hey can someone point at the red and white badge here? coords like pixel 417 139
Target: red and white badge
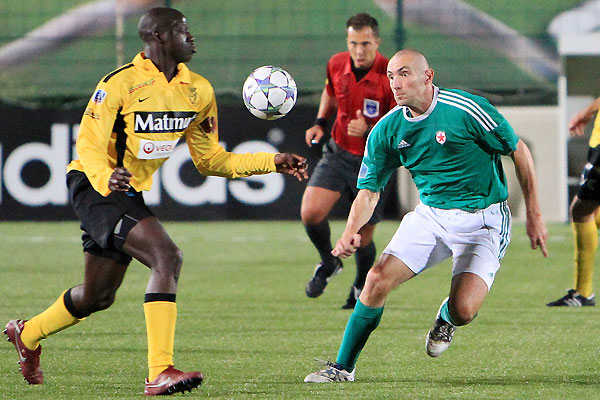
pixel 440 137
pixel 153 149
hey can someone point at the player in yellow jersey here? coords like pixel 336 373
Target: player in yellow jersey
pixel 130 127
pixel 584 214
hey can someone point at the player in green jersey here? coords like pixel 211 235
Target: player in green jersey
pixel 451 142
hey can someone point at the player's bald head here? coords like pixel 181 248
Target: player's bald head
pixel 159 19
pixel 413 58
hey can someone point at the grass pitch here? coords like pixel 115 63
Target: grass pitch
pixel 245 321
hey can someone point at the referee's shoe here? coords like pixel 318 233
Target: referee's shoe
pixel 321 277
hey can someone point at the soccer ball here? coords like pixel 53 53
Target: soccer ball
pixel 269 92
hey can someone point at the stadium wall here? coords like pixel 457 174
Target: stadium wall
pixel 36 146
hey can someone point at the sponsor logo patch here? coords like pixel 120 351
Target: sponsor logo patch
pixel 153 149
pixel 371 108
pixel 163 121
pixel 364 170
pixel 99 96
pixel 90 113
pixel 141 85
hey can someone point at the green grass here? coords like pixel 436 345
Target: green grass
pixel 245 322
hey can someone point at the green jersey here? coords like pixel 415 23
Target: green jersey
pixel 452 151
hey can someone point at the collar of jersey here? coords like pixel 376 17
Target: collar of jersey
pixel 183 73
pixel 348 66
pixel 421 117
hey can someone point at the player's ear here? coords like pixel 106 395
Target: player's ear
pixel 159 36
pixel 428 75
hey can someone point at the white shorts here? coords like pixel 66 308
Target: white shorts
pixel 476 240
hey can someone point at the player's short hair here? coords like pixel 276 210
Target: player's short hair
pixel 363 20
pixel 160 19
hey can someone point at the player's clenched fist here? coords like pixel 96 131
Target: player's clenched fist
pixel 346 245
pixel 119 180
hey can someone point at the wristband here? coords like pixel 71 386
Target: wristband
pixel 322 122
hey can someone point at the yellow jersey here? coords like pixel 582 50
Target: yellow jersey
pixel 135 119
pixel 595 138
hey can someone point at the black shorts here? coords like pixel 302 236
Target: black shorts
pixel 590 177
pixel 100 215
pixel 338 170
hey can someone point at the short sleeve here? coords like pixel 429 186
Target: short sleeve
pixel 380 160
pixel 491 128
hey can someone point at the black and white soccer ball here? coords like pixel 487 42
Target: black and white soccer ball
pixel 269 92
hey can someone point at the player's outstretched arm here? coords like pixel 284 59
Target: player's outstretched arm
pixel 582 118
pixel 291 164
pixel 362 209
pixel 536 227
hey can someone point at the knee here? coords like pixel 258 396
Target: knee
pixel 311 215
pixel 462 313
pixel 377 283
pixel 169 260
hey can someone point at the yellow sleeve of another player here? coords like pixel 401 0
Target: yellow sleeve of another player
pixel 95 133
pixel 595 138
pixel 210 158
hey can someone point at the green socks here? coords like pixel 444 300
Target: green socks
pixel 445 314
pixel 361 323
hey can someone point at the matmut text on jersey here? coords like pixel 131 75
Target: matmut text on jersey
pixel 135 118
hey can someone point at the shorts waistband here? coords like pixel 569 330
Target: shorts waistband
pixel 478 211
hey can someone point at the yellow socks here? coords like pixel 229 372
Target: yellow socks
pixel 585 235
pixel 160 327
pixel 54 319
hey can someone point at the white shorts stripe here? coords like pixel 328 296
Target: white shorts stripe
pixel 505 232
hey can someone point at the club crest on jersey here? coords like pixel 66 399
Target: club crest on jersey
pixel 371 108
pixel 440 137
pixel 193 95
pixel 98 96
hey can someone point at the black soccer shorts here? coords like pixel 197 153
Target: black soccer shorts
pixel 100 215
pixel 338 170
pixel 589 188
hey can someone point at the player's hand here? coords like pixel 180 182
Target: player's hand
pixel 346 245
pixel 537 232
pixel 578 123
pixel 292 164
pixel 358 126
pixel 314 135
pixel 119 180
